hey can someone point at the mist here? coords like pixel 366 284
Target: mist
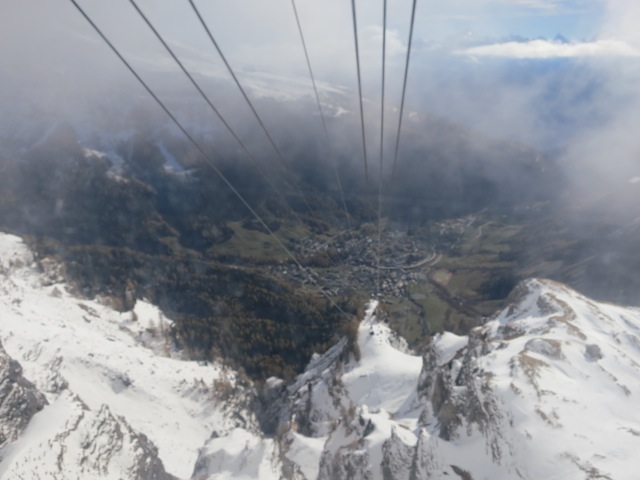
pixel 477 73
pixel 53 61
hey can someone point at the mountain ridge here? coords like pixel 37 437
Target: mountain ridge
pixel 502 403
pixel 519 396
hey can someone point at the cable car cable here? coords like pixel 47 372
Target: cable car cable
pixel 355 37
pixel 208 159
pixel 404 87
pixel 255 112
pixel 206 98
pixel 324 124
pixel 384 52
pixel 215 110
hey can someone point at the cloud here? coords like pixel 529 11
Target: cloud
pixel 371 41
pixel 621 20
pixel 545 49
pixel 54 59
pixel 553 6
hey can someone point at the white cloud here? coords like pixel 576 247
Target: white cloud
pixel 371 41
pixel 549 49
pixel 621 20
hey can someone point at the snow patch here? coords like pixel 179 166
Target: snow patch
pixel 393 372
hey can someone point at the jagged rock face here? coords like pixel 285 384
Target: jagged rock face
pixel 520 397
pixel 531 385
pixel 20 400
pixel 120 403
pixel 397 458
pixel 318 397
pixel 88 444
pixel 107 437
pixel 83 444
pixel 345 463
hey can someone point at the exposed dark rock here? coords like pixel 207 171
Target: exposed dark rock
pixel 397 458
pixel 20 400
pixel 593 353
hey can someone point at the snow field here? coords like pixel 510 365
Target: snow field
pixel 554 376
pixel 98 353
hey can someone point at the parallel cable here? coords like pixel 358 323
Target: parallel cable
pixel 255 112
pixel 306 55
pixel 384 56
pixel 355 37
pixel 206 98
pixel 404 86
pixel 324 124
pixel 215 110
pixel 208 159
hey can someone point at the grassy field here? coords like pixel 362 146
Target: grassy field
pixel 468 282
pixel 256 245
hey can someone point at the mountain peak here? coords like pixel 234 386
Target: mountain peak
pixel 560 39
pixel 509 399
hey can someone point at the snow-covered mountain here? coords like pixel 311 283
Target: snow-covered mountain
pixel 547 388
pixel 101 395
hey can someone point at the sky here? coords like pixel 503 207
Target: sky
pixel 48 43
pixel 573 19
pixel 466 65
pixel 259 32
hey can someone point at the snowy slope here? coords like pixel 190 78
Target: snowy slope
pixel 96 365
pixel 548 388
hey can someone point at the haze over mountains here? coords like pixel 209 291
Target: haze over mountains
pixel 492 212
pixel 574 217
pixel 152 326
